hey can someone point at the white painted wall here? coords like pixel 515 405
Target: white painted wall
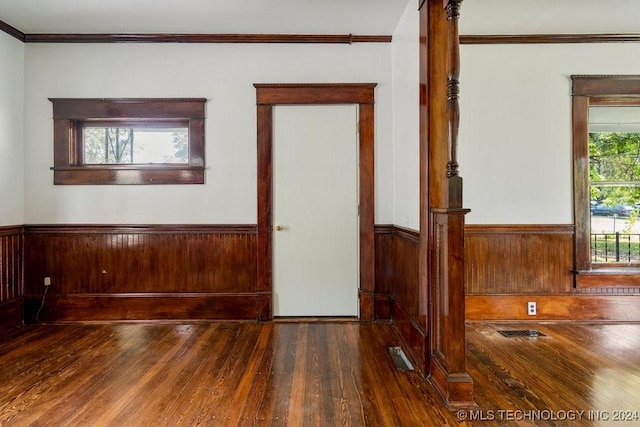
pixel 222 73
pixel 406 129
pixel 515 132
pixel 11 130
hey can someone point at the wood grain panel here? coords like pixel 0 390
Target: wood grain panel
pixel 10 263
pixel 149 259
pixel 10 277
pixel 125 259
pixel 397 251
pixel 406 291
pixel 619 308
pixel 397 266
pixel 147 306
pixel 518 259
pixel 384 240
pixel 384 269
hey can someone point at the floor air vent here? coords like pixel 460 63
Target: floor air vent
pixel 400 359
pixel 532 333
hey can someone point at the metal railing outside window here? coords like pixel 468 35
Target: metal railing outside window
pixel 615 247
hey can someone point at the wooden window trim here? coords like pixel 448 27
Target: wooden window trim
pixel 595 91
pixel 69 114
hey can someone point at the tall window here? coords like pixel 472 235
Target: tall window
pixel 128 141
pixel 606 146
pixel 614 179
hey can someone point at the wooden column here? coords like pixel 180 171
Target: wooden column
pixel 441 265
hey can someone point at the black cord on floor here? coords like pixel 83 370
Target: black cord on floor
pixel 46 288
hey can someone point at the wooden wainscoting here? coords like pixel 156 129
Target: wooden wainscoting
pixel 384 273
pixel 10 277
pixel 397 290
pixel 509 265
pixel 123 272
pixel 518 259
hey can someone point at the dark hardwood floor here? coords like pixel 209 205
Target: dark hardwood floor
pixel 316 374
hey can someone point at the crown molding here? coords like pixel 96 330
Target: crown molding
pixel 548 38
pixel 207 38
pixel 12 31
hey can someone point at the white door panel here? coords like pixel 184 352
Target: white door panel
pixel 315 253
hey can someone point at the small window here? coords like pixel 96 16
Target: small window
pixel 128 141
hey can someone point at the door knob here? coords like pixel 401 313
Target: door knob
pixel 279 228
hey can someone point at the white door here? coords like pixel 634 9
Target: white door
pixel 315 211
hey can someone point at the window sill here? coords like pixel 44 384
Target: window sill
pixel 128 175
pixel 609 276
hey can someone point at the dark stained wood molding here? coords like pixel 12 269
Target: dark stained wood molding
pixel 113 108
pixel 128 176
pixel 606 86
pixel 314 93
pixel 567 307
pixel 12 31
pixel 441 269
pixel 146 306
pixel 608 277
pixel 206 38
pixel 10 230
pixel 474 39
pixel 590 90
pixel 384 228
pixel 71 114
pixel 426 48
pixel 406 233
pixel 142 228
pixel 269 95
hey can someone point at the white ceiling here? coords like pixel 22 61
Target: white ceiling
pixel 361 17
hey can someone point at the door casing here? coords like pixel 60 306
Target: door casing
pixel 269 95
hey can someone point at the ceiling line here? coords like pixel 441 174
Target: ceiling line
pixel 548 38
pixel 192 38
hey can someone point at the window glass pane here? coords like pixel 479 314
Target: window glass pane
pixel 135 145
pixel 614 175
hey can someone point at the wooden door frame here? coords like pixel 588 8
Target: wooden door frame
pixel 270 95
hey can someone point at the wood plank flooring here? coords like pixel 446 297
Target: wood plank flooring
pixel 309 374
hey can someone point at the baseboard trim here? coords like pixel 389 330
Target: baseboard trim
pixel 382 307
pixel 127 307
pixel 11 315
pixel 586 307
